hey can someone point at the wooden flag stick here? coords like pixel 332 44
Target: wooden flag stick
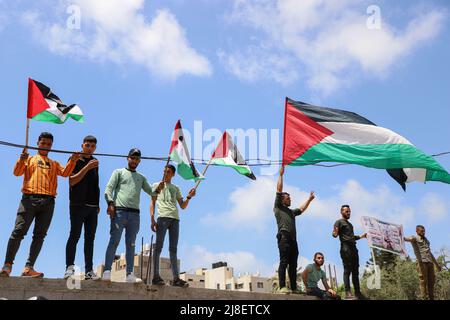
pixel 203 174
pixel 164 170
pixel 27 134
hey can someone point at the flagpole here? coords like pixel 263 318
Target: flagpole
pixel 203 174
pixel 164 170
pixel 168 158
pixel 27 134
pixel 374 261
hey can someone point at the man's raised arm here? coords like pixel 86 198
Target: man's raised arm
pixel 305 206
pixel 280 180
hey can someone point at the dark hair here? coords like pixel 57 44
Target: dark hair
pixel 420 226
pixel 172 167
pixel 318 253
pixel 345 206
pixel 285 194
pixel 45 135
pixel 90 139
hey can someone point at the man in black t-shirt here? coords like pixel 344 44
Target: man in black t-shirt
pixel 84 208
pixel 287 235
pixel 349 253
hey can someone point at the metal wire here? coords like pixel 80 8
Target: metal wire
pixel 250 162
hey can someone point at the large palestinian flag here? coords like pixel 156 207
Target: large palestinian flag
pixel 179 154
pixel 228 155
pixel 316 134
pixel 44 105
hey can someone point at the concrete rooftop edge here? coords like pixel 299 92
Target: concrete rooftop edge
pixel 19 288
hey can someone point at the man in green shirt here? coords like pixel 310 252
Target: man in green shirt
pixel 123 196
pixel 287 235
pixel 313 274
pixel 425 262
pixel 168 220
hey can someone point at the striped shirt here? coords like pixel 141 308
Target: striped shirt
pixel 41 174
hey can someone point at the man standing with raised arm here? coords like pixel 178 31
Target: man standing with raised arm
pixel 287 235
pixel 349 253
pixel 168 220
pixel 425 262
pixel 38 202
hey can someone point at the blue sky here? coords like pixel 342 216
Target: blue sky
pixel 136 67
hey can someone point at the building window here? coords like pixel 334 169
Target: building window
pixel 191 280
pixel 240 286
pixel 250 286
pixel 260 285
pixel 228 286
pixel 201 280
pixel 218 286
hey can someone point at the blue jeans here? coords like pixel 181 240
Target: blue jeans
pixel 173 225
pixel 129 221
pixel 321 294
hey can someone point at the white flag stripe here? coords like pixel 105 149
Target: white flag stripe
pixel 361 134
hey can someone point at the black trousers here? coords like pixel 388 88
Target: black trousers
pixel 82 216
pixel 288 248
pixel 31 208
pixel 350 260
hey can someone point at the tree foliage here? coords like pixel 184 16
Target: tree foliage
pixel 400 278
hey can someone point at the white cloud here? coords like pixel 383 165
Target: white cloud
pixel 251 206
pixel 242 261
pixel 5 16
pixel 3 21
pixel 193 257
pixel 434 208
pixel 329 41
pixel 118 31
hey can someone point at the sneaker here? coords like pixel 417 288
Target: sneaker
pixel 91 275
pixel 180 283
pixel 106 275
pixel 158 281
pixel 70 272
pixel 6 270
pixel 360 296
pixel 31 273
pixel 297 291
pixel 283 290
pixel 131 278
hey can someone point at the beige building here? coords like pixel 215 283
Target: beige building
pixel 118 269
pixel 195 279
pixel 221 277
pixel 253 283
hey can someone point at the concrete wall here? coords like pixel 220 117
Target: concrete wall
pixel 55 289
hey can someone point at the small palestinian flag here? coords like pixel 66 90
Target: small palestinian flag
pixel 179 154
pixel 316 134
pixel 44 105
pixel 228 155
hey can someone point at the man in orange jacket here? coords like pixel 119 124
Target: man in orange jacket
pixel 38 202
